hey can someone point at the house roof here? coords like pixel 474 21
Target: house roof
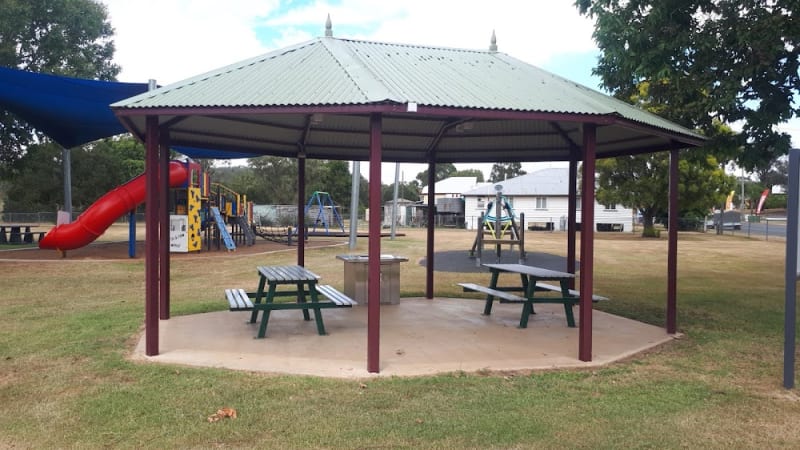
pixel 544 182
pixel 453 185
pixel 444 104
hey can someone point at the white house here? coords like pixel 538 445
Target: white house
pixel 543 197
pixel 453 187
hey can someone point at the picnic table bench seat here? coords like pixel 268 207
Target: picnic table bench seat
pixel 241 300
pixel 335 296
pixel 504 296
pixel 549 287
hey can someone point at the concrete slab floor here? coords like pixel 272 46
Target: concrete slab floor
pixel 418 337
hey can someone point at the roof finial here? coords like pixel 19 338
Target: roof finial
pixel 493 45
pixel 328 27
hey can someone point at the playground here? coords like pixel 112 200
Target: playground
pixel 114 245
pixel 72 373
pixel 71 330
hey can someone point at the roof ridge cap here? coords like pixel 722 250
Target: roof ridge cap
pixel 352 64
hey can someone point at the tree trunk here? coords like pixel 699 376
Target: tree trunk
pixel 649 228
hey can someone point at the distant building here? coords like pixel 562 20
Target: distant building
pixel 543 197
pixel 404 213
pixel 453 187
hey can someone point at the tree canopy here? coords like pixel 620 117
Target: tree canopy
pixel 504 171
pixel 442 171
pixel 97 168
pixel 62 37
pixel 641 182
pixel 477 173
pixel 726 60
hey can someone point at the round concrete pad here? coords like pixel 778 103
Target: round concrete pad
pixel 459 261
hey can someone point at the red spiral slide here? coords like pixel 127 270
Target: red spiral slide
pixel 101 214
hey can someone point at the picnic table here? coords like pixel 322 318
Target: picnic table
pixel 304 286
pixel 16 235
pixel 530 282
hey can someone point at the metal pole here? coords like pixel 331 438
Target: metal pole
pixel 67 165
pixel 672 245
pixel 741 200
pixel 790 274
pixel 587 243
pixel 394 198
pixel 151 237
pixel 374 251
pixel 356 185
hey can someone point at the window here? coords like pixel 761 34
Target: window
pixel 611 207
pixel 481 203
pixel 541 202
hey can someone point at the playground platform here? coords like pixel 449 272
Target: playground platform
pixel 418 337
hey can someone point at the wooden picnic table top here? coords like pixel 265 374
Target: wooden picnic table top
pixel 531 271
pixel 287 274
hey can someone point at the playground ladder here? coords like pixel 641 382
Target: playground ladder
pixel 249 236
pixel 223 229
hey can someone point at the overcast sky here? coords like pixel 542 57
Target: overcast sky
pixel 171 40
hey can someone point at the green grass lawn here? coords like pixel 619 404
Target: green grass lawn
pixel 67 327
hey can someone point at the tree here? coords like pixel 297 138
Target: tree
pixel 97 168
pixel 405 191
pixel 504 171
pixel 273 180
pixel 63 37
pixel 706 60
pixel 641 182
pixel 332 177
pixel 477 173
pixel 442 171
pixel 777 174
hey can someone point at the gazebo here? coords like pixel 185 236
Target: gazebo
pixel 343 99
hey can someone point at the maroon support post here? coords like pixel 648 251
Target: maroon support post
pixel 301 212
pixel 587 243
pixel 151 238
pixel 431 217
pixel 672 246
pixel 163 217
pixel 374 250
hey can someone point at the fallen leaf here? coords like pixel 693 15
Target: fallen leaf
pixel 222 413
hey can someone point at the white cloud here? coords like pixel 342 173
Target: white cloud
pixel 533 31
pixel 170 40
pixel 177 39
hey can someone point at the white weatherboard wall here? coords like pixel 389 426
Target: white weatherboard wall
pixel 548 184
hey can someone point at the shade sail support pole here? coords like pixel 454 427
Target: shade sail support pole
pixel 66 162
pixel 374 252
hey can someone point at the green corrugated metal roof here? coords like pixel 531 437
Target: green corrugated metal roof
pixel 330 71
